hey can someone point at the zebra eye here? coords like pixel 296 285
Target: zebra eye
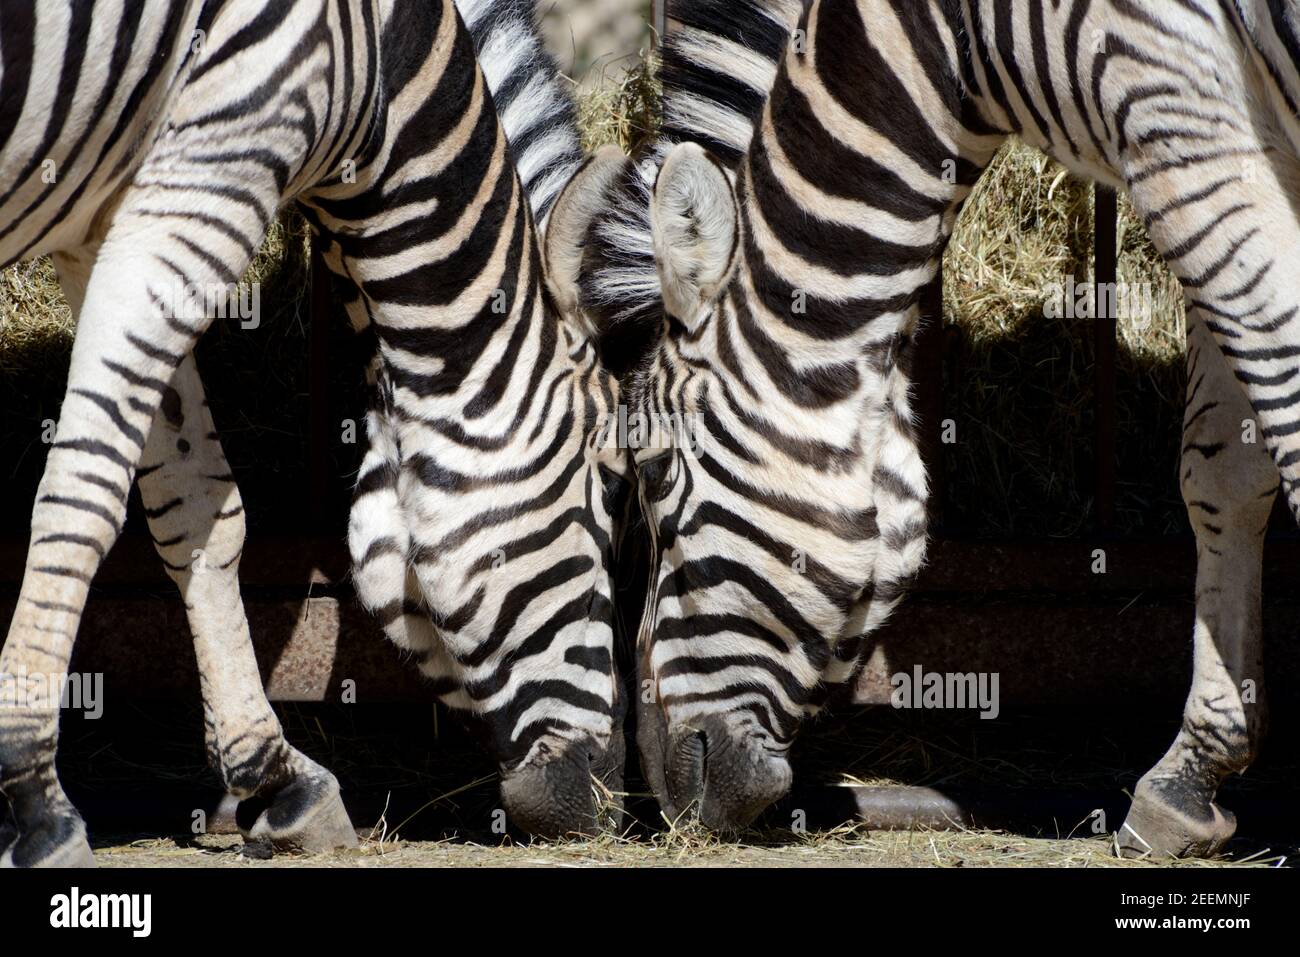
pixel 652 473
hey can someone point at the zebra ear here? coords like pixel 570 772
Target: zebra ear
pixel 695 225
pixel 566 230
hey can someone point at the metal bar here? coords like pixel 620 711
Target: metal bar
pixel 1029 613
pixel 1056 812
pixel 1105 217
pixel 318 425
pixel 659 15
pixel 927 371
pixel 1048 651
pixel 898 807
pixel 955 567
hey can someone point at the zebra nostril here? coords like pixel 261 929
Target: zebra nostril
pixel 723 774
pixel 553 796
pixel 685 777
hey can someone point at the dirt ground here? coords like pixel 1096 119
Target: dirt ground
pixel 845 849
pixel 138 776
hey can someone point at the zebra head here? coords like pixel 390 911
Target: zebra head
pixel 757 495
pixel 483 528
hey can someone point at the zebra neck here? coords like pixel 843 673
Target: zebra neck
pixel 434 234
pixel 470 335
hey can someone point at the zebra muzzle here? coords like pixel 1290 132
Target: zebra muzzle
pixel 723 774
pixel 566 794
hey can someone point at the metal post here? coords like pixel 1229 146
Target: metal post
pixel 318 425
pixel 1105 219
pixel 927 382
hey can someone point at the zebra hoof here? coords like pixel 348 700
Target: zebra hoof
pixel 305 815
pixel 222 819
pixel 59 841
pixel 1167 820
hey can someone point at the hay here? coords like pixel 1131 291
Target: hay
pixel 257 382
pixel 622 110
pixel 1020 384
pixel 1028 224
pixel 847 848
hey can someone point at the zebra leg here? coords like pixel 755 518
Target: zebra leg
pixel 1229 484
pixel 74 269
pixel 1225 222
pixel 196 518
pixel 68 836
pixel 134 330
pixel 197 522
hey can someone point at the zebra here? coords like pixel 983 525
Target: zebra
pixel 775 279
pixel 534 699
pixel 171 151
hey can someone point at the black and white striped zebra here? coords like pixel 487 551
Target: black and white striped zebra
pixel 174 131
pixel 784 305
pixel 557 672
pixel 540 122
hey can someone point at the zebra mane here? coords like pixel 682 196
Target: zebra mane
pixel 534 102
pixel 717 69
